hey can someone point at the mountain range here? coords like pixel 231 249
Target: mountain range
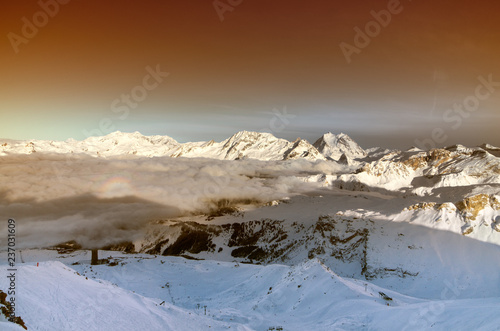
pixel 242 145
pixel 413 170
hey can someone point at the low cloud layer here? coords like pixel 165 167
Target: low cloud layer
pixel 55 198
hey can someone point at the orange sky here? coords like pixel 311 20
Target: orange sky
pixel 226 76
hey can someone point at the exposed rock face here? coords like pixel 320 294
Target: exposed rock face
pixel 473 214
pixel 473 205
pixel 264 241
pixel 423 205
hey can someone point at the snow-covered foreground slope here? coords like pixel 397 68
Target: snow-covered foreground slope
pixel 138 292
pixel 53 296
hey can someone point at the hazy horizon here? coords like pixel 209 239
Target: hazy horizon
pixel 221 138
pixel 387 73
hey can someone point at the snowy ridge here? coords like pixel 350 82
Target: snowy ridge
pixel 244 144
pixel 251 145
pixel 422 172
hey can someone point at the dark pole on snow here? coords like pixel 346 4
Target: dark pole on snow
pixel 94 257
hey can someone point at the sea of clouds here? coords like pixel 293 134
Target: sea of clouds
pixel 98 201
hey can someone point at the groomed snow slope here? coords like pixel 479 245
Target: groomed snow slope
pixel 55 297
pixel 170 293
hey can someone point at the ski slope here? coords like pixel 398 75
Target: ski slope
pixel 143 292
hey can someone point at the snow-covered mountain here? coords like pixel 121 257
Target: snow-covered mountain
pixel 413 170
pixel 113 144
pixel 335 146
pixel 242 145
pixel 250 145
pixel 421 172
pixel 286 236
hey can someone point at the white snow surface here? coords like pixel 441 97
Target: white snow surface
pixel 364 239
pixel 144 292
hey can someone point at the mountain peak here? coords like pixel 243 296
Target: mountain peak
pixel 333 146
pixel 125 134
pixel 117 135
pixel 251 134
